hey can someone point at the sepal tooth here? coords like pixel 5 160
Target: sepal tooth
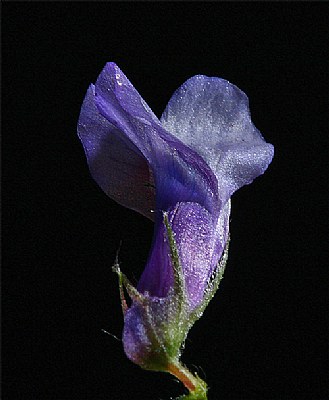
pixel 131 290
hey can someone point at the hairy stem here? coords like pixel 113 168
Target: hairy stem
pixel 193 383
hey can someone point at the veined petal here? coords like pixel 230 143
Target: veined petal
pixel 211 116
pixel 115 163
pixel 180 173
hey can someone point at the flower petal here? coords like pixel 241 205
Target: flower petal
pixel 115 163
pixel 211 116
pixel 180 174
pixel 200 244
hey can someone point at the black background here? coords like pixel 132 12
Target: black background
pixel 264 335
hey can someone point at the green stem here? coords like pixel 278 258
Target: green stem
pixel 196 386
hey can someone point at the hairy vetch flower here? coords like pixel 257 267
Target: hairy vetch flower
pixel 180 172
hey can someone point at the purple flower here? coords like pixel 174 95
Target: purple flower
pixel 179 171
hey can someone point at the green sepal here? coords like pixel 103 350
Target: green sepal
pixel 179 280
pixel 177 299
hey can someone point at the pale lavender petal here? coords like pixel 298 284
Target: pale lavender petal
pixel 200 244
pixel 196 242
pixel 115 163
pixel 211 116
